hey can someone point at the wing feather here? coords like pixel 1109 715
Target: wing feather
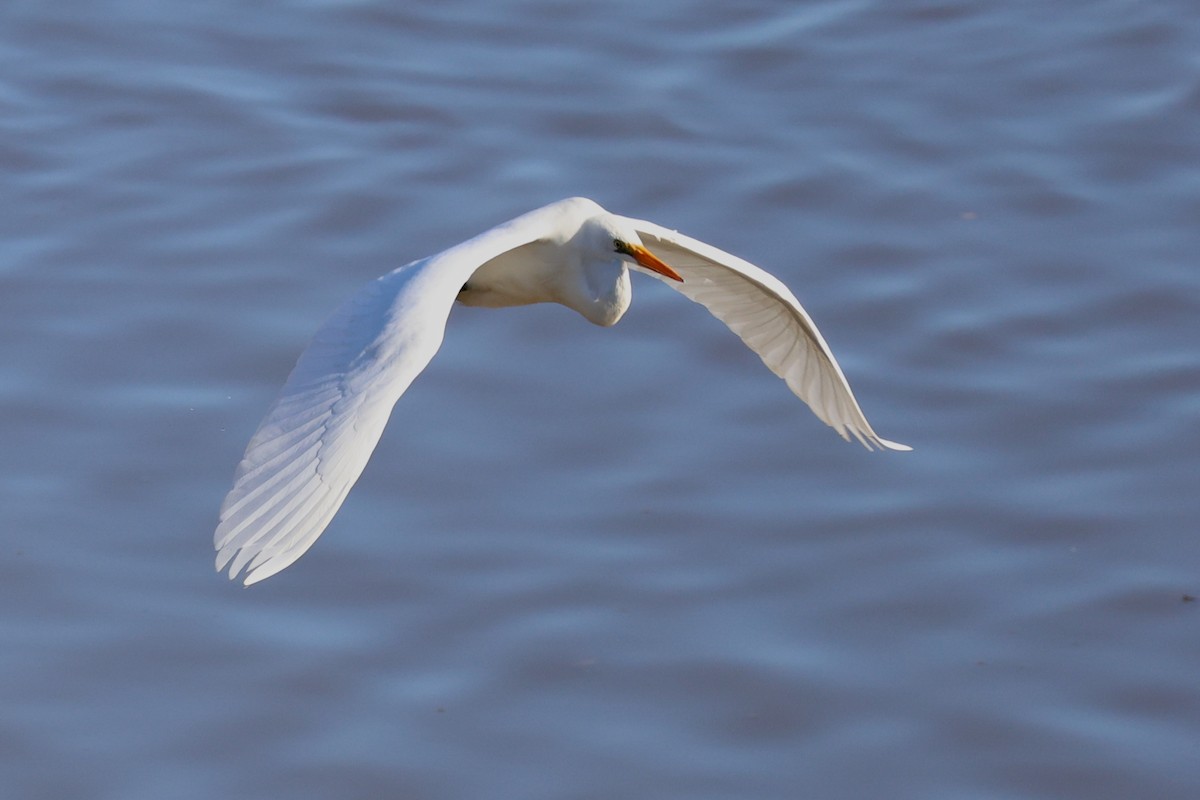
pixel 320 432
pixel 769 320
pixel 318 435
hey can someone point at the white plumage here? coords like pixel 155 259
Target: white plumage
pixel 320 432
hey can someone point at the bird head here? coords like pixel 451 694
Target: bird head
pixel 636 251
pixel 601 250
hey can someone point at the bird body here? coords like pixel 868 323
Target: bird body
pixel 317 437
pixel 575 266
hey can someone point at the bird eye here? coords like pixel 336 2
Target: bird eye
pixel 620 246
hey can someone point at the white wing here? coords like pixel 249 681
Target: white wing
pixel 317 437
pixel 770 320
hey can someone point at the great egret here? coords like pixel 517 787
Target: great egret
pixel 317 437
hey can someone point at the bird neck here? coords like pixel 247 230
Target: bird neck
pixel 598 289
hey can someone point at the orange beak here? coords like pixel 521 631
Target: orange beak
pixel 652 262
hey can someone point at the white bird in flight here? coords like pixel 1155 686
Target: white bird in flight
pixel 320 432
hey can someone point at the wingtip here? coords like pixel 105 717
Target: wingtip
pixel 264 566
pixel 223 566
pixel 872 441
pixel 247 578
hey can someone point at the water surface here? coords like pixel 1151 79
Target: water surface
pixel 592 563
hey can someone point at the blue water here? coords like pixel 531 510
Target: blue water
pixel 590 563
